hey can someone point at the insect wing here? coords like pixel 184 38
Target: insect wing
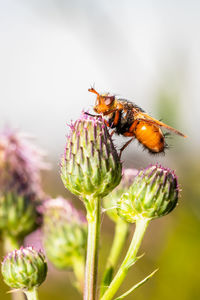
pixel 148 119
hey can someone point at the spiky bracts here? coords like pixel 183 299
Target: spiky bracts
pixel 18 215
pixel 24 269
pixel 154 193
pixel 90 165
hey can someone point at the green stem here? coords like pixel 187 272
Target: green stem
pixel 121 231
pixel 141 226
pixel 32 294
pixel 79 270
pixel 10 243
pixel 17 295
pixel 93 217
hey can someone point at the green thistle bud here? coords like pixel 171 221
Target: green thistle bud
pixel 20 185
pixel 153 194
pixel 24 269
pixel 64 233
pixel 110 201
pixel 18 215
pixel 90 165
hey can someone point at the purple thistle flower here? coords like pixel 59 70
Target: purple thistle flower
pixel 20 163
pixel 20 184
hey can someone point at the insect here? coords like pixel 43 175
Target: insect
pixel 128 119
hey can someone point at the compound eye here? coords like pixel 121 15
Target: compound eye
pixel 109 100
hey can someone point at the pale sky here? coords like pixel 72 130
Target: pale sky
pixel 52 51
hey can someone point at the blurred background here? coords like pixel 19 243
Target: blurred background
pixel 147 51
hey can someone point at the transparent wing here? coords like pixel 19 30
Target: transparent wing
pixel 144 117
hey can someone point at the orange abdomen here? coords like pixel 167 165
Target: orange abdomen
pixel 150 136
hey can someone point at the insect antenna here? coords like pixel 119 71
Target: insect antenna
pixel 92 90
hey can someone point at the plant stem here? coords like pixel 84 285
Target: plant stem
pixel 93 217
pixel 32 294
pixel 17 295
pixel 121 231
pixel 10 243
pixel 79 271
pixel 141 226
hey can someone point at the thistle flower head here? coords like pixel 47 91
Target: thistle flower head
pixel 64 232
pixel 90 164
pixel 20 163
pixel 153 194
pixel 110 201
pixel 24 269
pixel 18 215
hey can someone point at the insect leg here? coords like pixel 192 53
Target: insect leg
pixel 110 112
pixel 116 118
pixel 125 145
pixel 97 116
pixel 91 115
pixel 107 124
pixel 132 128
pixel 112 133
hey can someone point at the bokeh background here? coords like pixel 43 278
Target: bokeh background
pixel 51 51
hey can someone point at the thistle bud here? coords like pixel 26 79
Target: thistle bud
pixel 20 163
pixel 153 194
pixel 24 269
pixel 64 233
pixel 90 164
pixel 110 201
pixel 18 215
pixel 20 187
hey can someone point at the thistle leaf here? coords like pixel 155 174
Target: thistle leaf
pixel 137 285
pixel 131 262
